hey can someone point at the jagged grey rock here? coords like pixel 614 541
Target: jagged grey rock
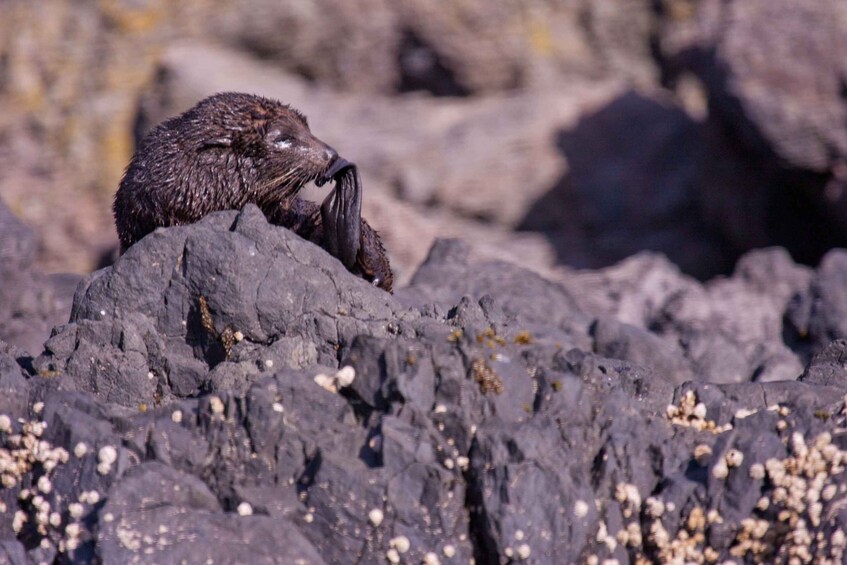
pixel 492 414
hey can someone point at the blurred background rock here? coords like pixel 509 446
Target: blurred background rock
pixel 552 133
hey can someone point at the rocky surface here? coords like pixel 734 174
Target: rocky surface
pixel 228 391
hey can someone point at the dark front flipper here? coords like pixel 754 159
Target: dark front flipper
pixel 306 219
pixel 341 215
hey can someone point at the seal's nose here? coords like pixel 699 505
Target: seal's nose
pixel 335 166
pixel 331 154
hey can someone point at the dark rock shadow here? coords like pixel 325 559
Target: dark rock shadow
pixel 643 175
pixel 632 184
pixel 203 338
pixel 789 205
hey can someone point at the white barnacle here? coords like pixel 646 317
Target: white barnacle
pixel 44 484
pixel 76 510
pixel 720 470
pixel 80 449
pixel 400 543
pixel 217 405
pixel 524 551
pixel 106 457
pixel 376 517
pixel 107 454
pixel 345 376
pixel 734 458
pixel 757 471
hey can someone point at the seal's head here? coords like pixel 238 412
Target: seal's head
pixel 272 140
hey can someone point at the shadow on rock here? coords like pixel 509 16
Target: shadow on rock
pixel 634 169
pixel 643 175
pixel 782 115
pixel 755 194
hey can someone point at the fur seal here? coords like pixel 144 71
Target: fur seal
pixel 232 149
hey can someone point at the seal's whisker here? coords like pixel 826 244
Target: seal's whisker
pixel 281 181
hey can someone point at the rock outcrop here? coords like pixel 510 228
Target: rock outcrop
pixel 229 391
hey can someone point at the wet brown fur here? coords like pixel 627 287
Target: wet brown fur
pixel 229 150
